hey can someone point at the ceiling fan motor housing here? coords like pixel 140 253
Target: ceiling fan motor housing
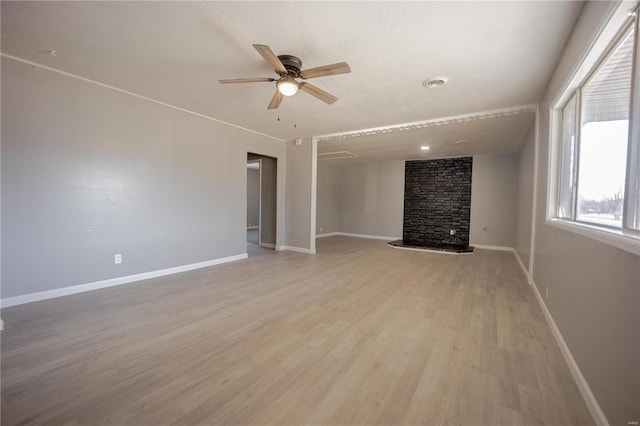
pixel 292 64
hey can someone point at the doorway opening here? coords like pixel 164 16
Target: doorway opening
pixel 261 204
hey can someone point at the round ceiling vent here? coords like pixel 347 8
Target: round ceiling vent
pixel 435 82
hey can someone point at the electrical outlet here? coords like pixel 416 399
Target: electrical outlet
pixel 117 259
pixel 452 232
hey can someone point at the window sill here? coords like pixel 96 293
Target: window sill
pixel 613 237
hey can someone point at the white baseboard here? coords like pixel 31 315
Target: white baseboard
pixel 348 234
pixel 373 237
pixel 65 291
pixel 524 269
pixel 252 227
pixel 592 404
pixel 296 249
pixel 267 245
pixel 328 234
pixel 486 247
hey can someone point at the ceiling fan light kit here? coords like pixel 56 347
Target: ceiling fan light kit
pixel 289 68
pixel 287 86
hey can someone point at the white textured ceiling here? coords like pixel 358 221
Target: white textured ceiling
pixel 495 54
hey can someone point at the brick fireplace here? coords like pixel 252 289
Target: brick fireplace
pixel 437 202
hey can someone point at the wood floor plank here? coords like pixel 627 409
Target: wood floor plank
pixel 360 333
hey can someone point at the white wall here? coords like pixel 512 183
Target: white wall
pixel 524 203
pixel 594 288
pixel 88 172
pixel 493 200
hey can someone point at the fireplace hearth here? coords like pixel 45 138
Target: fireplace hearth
pixel 448 248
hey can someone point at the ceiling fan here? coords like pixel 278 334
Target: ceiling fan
pixel 289 68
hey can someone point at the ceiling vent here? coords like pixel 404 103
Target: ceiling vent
pixel 435 82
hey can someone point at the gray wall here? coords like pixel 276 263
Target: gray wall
pixel 594 290
pixel 524 204
pixel 88 172
pixel 268 180
pixel 328 198
pixel 253 197
pixel 493 200
pixel 298 196
pixel 370 198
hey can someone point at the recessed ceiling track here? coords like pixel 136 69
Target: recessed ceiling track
pixel 335 155
pixel 433 122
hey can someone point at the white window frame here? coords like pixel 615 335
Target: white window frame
pixel 624 238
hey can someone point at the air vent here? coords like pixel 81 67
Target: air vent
pixel 435 82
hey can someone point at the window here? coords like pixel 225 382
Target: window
pixel 568 160
pixel 598 175
pixel 604 137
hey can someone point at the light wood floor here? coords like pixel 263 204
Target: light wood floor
pixel 360 333
pixel 253 248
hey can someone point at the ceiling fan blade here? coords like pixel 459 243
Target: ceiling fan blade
pixel 270 57
pixel 333 69
pixel 318 93
pixel 247 80
pixel 275 101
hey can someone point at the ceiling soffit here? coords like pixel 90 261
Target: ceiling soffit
pixel 504 112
